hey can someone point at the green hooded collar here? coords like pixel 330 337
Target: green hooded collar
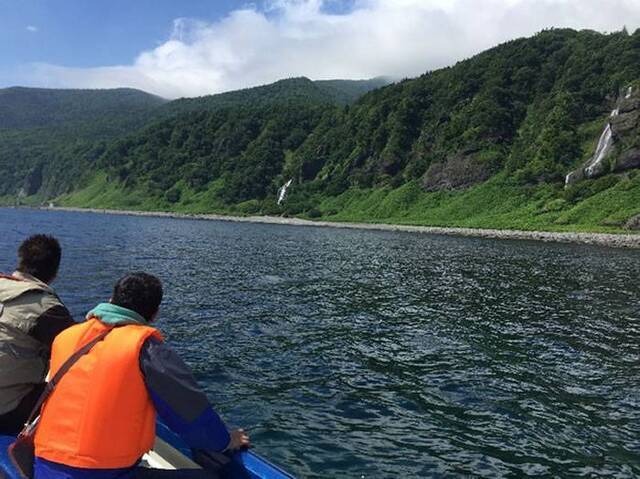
pixel 112 314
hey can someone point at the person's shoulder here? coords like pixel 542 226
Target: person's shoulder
pixel 51 298
pixel 35 290
pixel 15 286
pixel 154 345
pixel 152 333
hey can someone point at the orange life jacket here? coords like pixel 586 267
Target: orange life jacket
pixel 100 415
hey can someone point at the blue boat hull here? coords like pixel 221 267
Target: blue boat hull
pixel 245 464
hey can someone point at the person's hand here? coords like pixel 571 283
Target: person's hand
pixel 239 440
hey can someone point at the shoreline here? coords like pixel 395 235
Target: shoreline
pixel 622 240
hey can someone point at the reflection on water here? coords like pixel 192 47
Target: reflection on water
pixel 378 354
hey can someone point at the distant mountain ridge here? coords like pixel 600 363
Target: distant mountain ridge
pixel 22 107
pixel 289 90
pixel 26 107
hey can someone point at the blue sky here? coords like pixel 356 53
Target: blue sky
pixel 87 33
pixel 90 33
pixel 194 47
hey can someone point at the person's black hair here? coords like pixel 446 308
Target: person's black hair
pixel 140 292
pixel 39 256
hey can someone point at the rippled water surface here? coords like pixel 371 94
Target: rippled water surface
pixel 378 354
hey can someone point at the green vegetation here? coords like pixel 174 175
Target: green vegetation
pixel 52 140
pixel 498 203
pixel 485 143
pixel 94 112
pixel 599 206
pixel 292 90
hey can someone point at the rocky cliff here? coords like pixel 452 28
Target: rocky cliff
pixel 618 148
pixel 625 130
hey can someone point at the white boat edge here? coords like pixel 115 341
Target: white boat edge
pixel 165 456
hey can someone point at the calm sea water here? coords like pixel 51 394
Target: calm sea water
pixel 378 354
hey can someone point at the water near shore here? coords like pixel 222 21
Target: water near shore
pixel 354 353
pixel 628 240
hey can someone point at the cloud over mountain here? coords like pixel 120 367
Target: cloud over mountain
pixel 283 38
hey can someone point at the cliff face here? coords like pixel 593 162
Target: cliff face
pixel 626 131
pixel 618 148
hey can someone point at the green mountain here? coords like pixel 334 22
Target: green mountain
pixel 49 138
pixel 487 142
pixel 118 110
pixel 345 92
pixel 234 142
pixel 291 90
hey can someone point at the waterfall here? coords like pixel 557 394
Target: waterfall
pixel 596 165
pixel 604 145
pixel 282 192
pixel 569 178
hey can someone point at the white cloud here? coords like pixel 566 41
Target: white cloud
pixel 32 28
pixel 285 38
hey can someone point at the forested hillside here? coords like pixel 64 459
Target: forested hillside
pixel 51 140
pixel 238 150
pixel 291 90
pixel 40 107
pixel 486 142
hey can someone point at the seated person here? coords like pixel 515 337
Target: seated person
pixel 101 417
pixel 31 315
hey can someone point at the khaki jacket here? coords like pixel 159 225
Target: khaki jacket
pixel 23 359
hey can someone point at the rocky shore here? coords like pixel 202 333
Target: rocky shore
pixel 600 239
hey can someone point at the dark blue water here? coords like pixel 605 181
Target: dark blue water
pixel 377 354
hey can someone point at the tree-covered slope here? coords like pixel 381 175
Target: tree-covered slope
pixel 50 139
pixel 241 149
pixel 345 92
pixel 290 90
pixel 518 106
pixel 486 142
pixel 22 108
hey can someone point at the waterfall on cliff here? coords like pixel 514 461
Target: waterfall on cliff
pixel 282 192
pixel 604 145
pixel 597 165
